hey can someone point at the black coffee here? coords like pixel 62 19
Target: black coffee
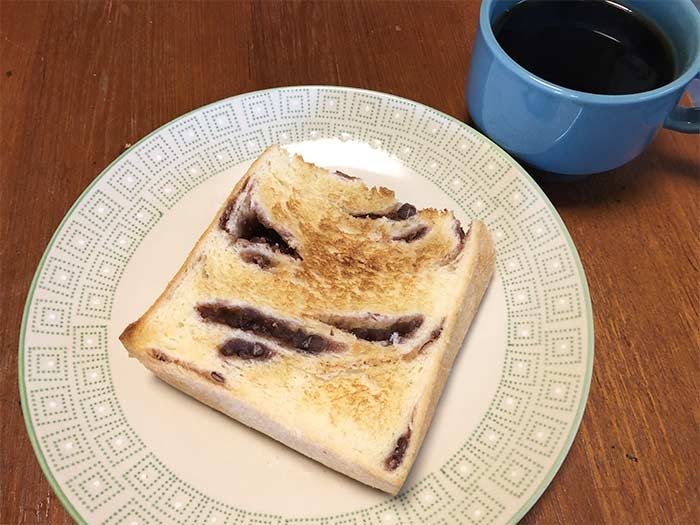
pixel 597 46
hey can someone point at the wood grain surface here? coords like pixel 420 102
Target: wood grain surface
pixel 79 81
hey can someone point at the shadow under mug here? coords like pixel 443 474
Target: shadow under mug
pixel 570 132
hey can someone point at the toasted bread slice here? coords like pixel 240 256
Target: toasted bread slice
pixel 321 312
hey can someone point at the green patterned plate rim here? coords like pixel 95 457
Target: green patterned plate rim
pixel 91 454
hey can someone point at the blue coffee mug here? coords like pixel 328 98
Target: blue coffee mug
pixel 570 132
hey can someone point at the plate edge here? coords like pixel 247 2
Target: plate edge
pixel 589 313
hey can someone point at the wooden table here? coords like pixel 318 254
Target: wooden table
pixel 81 81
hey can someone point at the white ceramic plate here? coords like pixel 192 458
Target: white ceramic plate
pixel 120 447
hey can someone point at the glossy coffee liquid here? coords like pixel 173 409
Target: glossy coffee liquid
pixel 596 46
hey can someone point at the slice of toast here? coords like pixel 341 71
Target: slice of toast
pixel 321 312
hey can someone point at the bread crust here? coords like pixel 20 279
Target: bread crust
pixel 474 262
pixel 481 265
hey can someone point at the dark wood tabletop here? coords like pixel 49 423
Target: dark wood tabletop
pixel 80 81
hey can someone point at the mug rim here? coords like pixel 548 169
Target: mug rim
pixel 582 96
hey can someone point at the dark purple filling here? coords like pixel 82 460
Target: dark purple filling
pixel 252 256
pixel 246 349
pixel 345 175
pixel 403 212
pixel 462 237
pixel 379 329
pixel 434 336
pixel 412 235
pixel 252 229
pixel 249 224
pixel 285 332
pixel 160 356
pixel 216 376
pixel 394 459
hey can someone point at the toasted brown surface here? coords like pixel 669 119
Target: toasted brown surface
pixel 348 263
pixel 333 253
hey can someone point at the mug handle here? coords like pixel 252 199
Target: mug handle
pixel 684 119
